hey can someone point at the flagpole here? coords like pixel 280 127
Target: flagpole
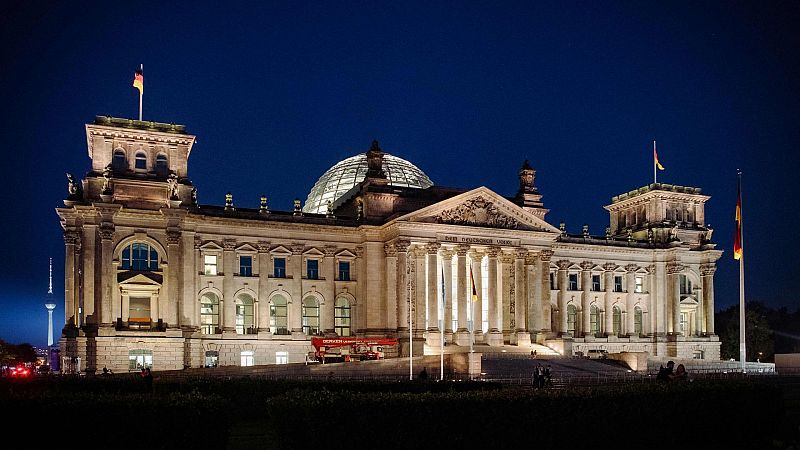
pixel 141 67
pixel 655 177
pixel 410 328
pixel 441 333
pixel 742 341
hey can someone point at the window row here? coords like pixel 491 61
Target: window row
pixel 278 315
pixel 140 164
pixel 211 267
pixel 573 281
pixel 596 323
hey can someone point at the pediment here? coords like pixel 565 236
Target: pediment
pixel 210 245
pixel 280 250
pixel 313 251
pixel 345 254
pixel 246 248
pixel 140 278
pixel 480 207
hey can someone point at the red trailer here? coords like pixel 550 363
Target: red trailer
pixel 349 348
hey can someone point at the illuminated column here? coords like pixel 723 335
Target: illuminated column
pixel 447 269
pixel 90 301
pixel 263 287
pixel 707 271
pixel 295 309
pixel 506 296
pixel 608 327
pixel 652 308
pixel 477 306
pixel 521 335
pixel 544 269
pixel 495 337
pixel 402 287
pixel 228 266
pixel 189 301
pixel 434 334
pixel 630 287
pixel 673 275
pixel 563 287
pixel 391 286
pixel 462 334
pixel 329 273
pixel 586 288
pixel 536 322
pixel 107 273
pixel 71 244
pixel 420 292
pixel 173 274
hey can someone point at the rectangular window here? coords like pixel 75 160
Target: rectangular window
pixel 210 262
pixel 246 266
pixel 281 357
pixel 618 284
pixel 280 268
pixel 573 282
pixel 312 269
pixel 247 358
pixel 140 359
pixel 639 285
pixel 344 270
pixel 139 312
pixel 596 283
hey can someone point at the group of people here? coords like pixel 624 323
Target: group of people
pixel 541 376
pixel 670 373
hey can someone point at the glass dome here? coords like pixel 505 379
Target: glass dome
pixel 349 172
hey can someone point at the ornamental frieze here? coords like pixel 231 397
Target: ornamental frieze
pixel 477 211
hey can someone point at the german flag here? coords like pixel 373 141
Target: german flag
pixel 738 251
pixel 138 80
pixel 655 157
pixel 474 292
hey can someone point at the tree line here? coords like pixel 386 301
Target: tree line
pixel 13 354
pixel 767 331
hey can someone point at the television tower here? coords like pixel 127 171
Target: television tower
pixel 50 305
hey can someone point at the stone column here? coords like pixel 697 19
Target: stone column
pixel 506 300
pixel 263 288
pixel 609 288
pixel 228 307
pixel 477 306
pixel 563 288
pixel 420 292
pixel 447 269
pixel 544 268
pixel 71 244
pixel 651 303
pixel 462 334
pixel 391 286
pixel 673 274
pixel 495 337
pixel 434 334
pixel 586 287
pixel 107 278
pixel 295 309
pixel 521 335
pixel 707 272
pixel 402 287
pixel 173 274
pixel 532 284
pixel 189 305
pixel 91 300
pixel 536 322
pixel 328 270
pixel 630 287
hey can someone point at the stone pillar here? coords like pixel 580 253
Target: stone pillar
pixel 90 300
pixel 707 272
pixel 228 266
pixel 477 306
pixel 173 275
pixel 651 303
pixel 263 288
pixel 328 271
pixel 391 286
pixel 107 278
pixel 420 292
pixel 544 267
pixel 295 309
pixel 531 288
pixel 608 323
pixel 402 287
pixel 462 334
pixel 673 273
pixel 434 334
pixel 630 288
pixel 371 300
pixel 495 337
pixel 71 246
pixel 586 288
pixel 189 305
pixel 506 298
pixel 536 322
pixel 521 335
pixel 563 288
pixel 447 269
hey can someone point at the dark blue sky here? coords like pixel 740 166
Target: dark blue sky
pixel 279 92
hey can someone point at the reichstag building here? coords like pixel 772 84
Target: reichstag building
pixel 154 279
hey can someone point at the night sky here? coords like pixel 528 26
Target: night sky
pixel 278 92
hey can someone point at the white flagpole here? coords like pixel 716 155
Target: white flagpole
pixel 141 91
pixel 655 177
pixel 410 327
pixel 742 341
pixel 441 334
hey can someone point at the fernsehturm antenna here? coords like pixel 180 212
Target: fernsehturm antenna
pixel 50 305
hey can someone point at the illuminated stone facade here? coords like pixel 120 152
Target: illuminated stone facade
pixel 153 278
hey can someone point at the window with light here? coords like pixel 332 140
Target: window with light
pixel 341 317
pixel 244 314
pixel 281 357
pixel 639 285
pixel 617 284
pixel 247 358
pixel 596 283
pixel 637 320
pixel 277 315
pixel 572 319
pixel 209 313
pixel 210 264
pixel 310 316
pixel 617 320
pixel 140 359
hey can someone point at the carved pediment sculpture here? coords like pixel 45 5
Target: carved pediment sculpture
pixel 479 212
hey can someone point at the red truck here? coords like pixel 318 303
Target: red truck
pixel 349 348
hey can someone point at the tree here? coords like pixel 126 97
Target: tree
pixel 759 334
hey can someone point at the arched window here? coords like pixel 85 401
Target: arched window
pixel 637 321
pixel 139 256
pixel 277 315
pixel 594 319
pixel 209 313
pixel 244 314
pixel 617 320
pixel 141 161
pixel 686 285
pixel 119 162
pixel 341 314
pixel 572 319
pixel 310 316
pixel 161 164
